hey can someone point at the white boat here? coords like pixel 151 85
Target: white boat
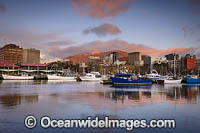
pixel 168 80
pixel 172 81
pixel 90 77
pixel 55 77
pixel 23 77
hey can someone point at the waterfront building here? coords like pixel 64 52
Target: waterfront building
pixel 189 61
pixel 93 60
pixel 111 58
pixel 11 53
pixel 93 63
pixel 197 66
pixel 31 56
pixel 134 58
pixel 188 64
pixel 122 61
pixel 33 67
pixel 154 62
pixel 172 56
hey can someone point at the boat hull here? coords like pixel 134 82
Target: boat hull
pixel 90 79
pixel 166 81
pixel 121 81
pixel 9 77
pixel 54 77
pixel 192 80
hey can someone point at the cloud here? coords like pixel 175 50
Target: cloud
pixel 100 8
pixel 28 39
pixel 102 46
pixel 3 8
pixel 103 30
pixel 41 41
pixel 57 45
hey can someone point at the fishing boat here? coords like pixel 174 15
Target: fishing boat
pixel 192 80
pixel 91 77
pixel 55 77
pixel 128 79
pixel 22 77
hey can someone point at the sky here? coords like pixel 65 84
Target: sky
pixel 60 28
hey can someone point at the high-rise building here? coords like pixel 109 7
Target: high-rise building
pixel 172 56
pixel 111 58
pixel 134 58
pixel 11 53
pixel 31 56
pixel 188 64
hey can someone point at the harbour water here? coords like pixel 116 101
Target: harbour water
pixel 78 100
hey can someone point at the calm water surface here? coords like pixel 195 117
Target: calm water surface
pixel 72 100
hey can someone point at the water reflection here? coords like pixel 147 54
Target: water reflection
pixel 78 100
pixel 36 82
pixel 12 100
pixel 178 92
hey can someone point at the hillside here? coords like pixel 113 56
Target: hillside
pixel 79 58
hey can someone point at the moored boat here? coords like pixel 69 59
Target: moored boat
pixel 172 81
pixel 23 77
pixel 55 77
pixel 192 80
pixel 91 77
pixel 128 79
pixel 168 80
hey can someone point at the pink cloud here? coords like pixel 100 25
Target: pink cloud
pixel 103 30
pixel 100 8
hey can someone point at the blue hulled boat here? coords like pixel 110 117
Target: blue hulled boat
pixel 192 80
pixel 126 79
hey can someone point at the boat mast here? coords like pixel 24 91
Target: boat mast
pixel 174 65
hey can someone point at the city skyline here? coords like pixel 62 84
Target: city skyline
pixel 60 29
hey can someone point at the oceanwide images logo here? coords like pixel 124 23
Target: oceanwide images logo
pixel 30 121
pixel 128 124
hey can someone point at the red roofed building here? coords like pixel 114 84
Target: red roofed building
pixel 5 65
pixel 34 66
